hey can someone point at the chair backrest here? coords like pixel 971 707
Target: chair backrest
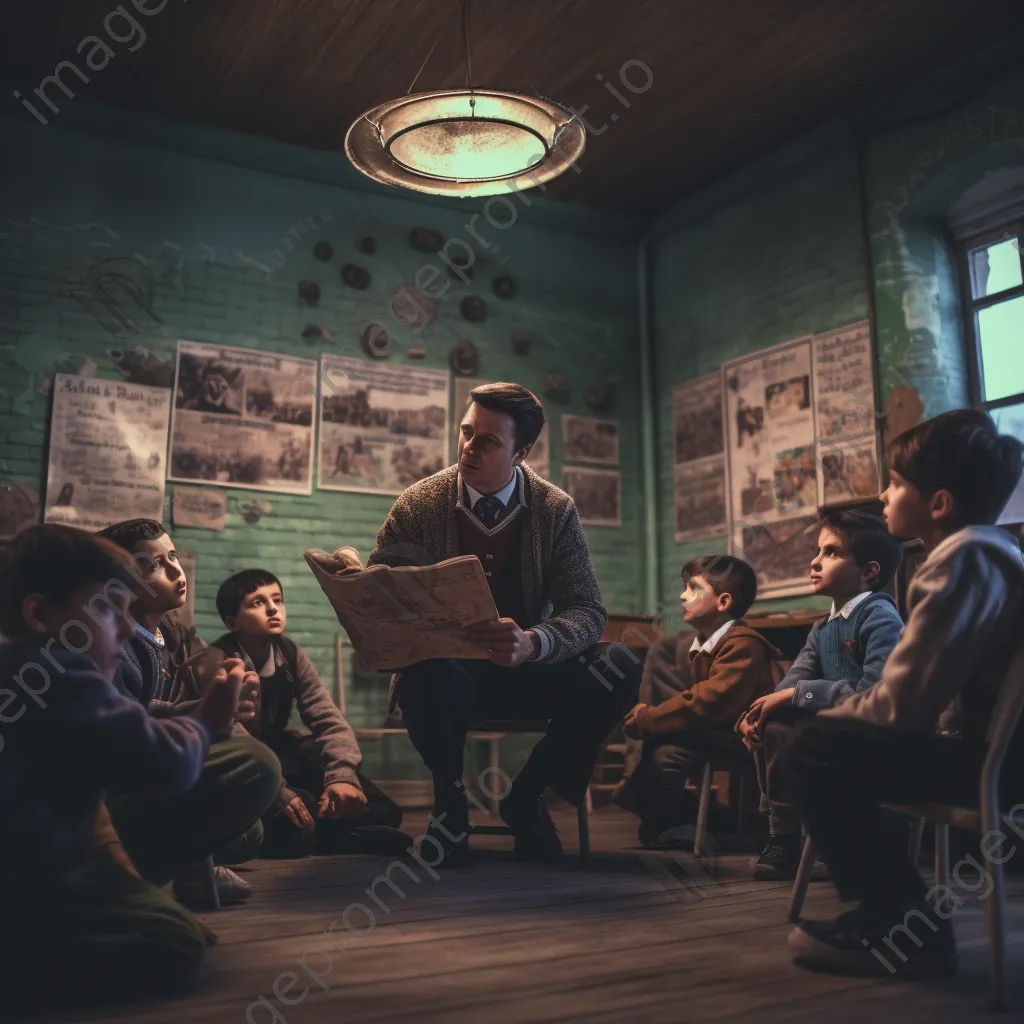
pixel 1006 716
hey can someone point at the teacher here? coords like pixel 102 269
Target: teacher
pixel 543 660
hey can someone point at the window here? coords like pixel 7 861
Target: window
pixel 994 265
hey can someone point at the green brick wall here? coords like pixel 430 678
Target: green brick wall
pixel 226 239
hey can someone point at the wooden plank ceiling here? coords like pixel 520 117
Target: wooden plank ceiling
pixel 731 77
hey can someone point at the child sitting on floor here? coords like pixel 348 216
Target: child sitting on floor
pixel 920 734
pixel 326 805
pixel 730 665
pixel 76 914
pixel 845 653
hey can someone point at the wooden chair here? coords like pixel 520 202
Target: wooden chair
pixel 736 769
pixel 491 733
pixel 1006 716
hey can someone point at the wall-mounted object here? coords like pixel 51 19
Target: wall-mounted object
pixel 521 342
pixel 367 244
pixel 417 353
pixel 426 240
pixel 556 388
pixel 309 292
pixel 323 251
pixel 463 359
pixel 412 306
pixel 474 309
pixel 504 287
pixel 375 341
pixel 253 511
pixel 140 366
pixel 600 396
pixel 317 334
pixel 355 277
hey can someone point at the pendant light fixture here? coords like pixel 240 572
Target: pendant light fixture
pixel 465 142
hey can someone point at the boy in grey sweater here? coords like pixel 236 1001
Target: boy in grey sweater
pixel 325 804
pixel 920 734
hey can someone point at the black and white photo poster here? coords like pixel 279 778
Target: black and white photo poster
pixel 108 442
pixel 845 411
pixel 597 494
pixel 585 439
pixel 698 462
pixel 243 418
pixel 382 427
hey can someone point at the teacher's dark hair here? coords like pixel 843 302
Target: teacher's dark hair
pixel 518 402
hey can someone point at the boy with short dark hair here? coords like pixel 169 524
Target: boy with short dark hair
pixel 221 815
pixel 920 734
pixel 325 804
pixel 730 665
pixel 76 913
pixel 845 653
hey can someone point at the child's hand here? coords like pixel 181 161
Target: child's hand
pixel 219 705
pixel 248 697
pixel 299 814
pixel 341 800
pixel 631 726
pixel 765 706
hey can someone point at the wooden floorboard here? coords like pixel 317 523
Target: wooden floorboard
pixel 630 936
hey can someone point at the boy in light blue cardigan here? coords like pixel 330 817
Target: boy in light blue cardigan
pixel 845 653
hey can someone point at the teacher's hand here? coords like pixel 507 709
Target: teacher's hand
pixel 506 644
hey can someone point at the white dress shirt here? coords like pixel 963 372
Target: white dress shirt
pixel 712 641
pixel 847 610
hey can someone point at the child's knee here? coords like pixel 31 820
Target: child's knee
pixel 177 945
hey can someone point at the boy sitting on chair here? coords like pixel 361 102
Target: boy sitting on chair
pixel 920 734
pixel 325 805
pixel 731 665
pixel 845 653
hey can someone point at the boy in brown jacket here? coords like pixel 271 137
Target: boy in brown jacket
pixel 731 666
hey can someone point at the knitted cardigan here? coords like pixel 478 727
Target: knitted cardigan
pixel 560 591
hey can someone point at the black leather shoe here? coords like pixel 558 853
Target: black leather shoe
pixel 536 839
pixel 435 843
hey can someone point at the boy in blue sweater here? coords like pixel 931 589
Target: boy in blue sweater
pixel 845 653
pixel 75 912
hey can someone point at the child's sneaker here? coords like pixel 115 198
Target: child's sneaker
pixel 779 860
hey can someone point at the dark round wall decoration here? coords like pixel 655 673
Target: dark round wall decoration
pixel 426 239
pixel 521 342
pixel 355 277
pixel 463 359
pixel 309 292
pixel 323 251
pixel 504 287
pixel 367 244
pixel 375 341
pixel 474 309
pixel 556 388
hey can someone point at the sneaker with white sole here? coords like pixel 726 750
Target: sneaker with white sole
pixel 191 888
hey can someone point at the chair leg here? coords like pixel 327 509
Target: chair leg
pixel 941 854
pixel 212 894
pixel 702 810
pixel 916 837
pixel 493 766
pixel 740 794
pixel 802 880
pixel 583 821
pixel 995 905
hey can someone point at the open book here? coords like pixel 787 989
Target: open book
pixel 396 617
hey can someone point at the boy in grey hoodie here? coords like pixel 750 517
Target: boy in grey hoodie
pixel 919 734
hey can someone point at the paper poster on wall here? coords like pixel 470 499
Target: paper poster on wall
pixel 845 414
pixel 597 494
pixel 585 439
pixel 539 459
pixel 382 427
pixel 108 441
pixel 699 464
pixel 243 418
pixel 202 508
pixel 780 553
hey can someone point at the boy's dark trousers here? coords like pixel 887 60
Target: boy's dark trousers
pixel 776 796
pixel 581 699
pixel 668 763
pixel 841 771
pixel 302 766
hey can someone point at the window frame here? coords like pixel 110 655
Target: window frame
pixel 972 307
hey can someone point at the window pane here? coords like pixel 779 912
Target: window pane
pixel 1010 420
pixel 1001 337
pixel 995 268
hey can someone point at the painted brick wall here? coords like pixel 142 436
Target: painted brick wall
pixel 769 254
pixel 225 246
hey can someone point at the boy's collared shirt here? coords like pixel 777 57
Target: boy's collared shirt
pixel 712 641
pixel 848 609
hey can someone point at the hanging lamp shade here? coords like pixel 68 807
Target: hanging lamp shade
pixel 465 142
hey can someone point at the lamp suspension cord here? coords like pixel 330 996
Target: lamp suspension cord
pixel 467 46
pixel 423 65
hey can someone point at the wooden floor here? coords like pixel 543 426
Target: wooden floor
pixel 632 936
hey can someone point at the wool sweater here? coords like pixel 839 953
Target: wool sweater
pixel 151 672
pixel 726 682
pixel 966 618
pixel 858 648
pixel 560 591
pixel 63 748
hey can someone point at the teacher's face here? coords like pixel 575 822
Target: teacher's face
pixel 487 449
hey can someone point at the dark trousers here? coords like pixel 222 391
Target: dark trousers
pixel 769 761
pixel 303 768
pixel 581 699
pixel 841 771
pixel 241 779
pixel 668 762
